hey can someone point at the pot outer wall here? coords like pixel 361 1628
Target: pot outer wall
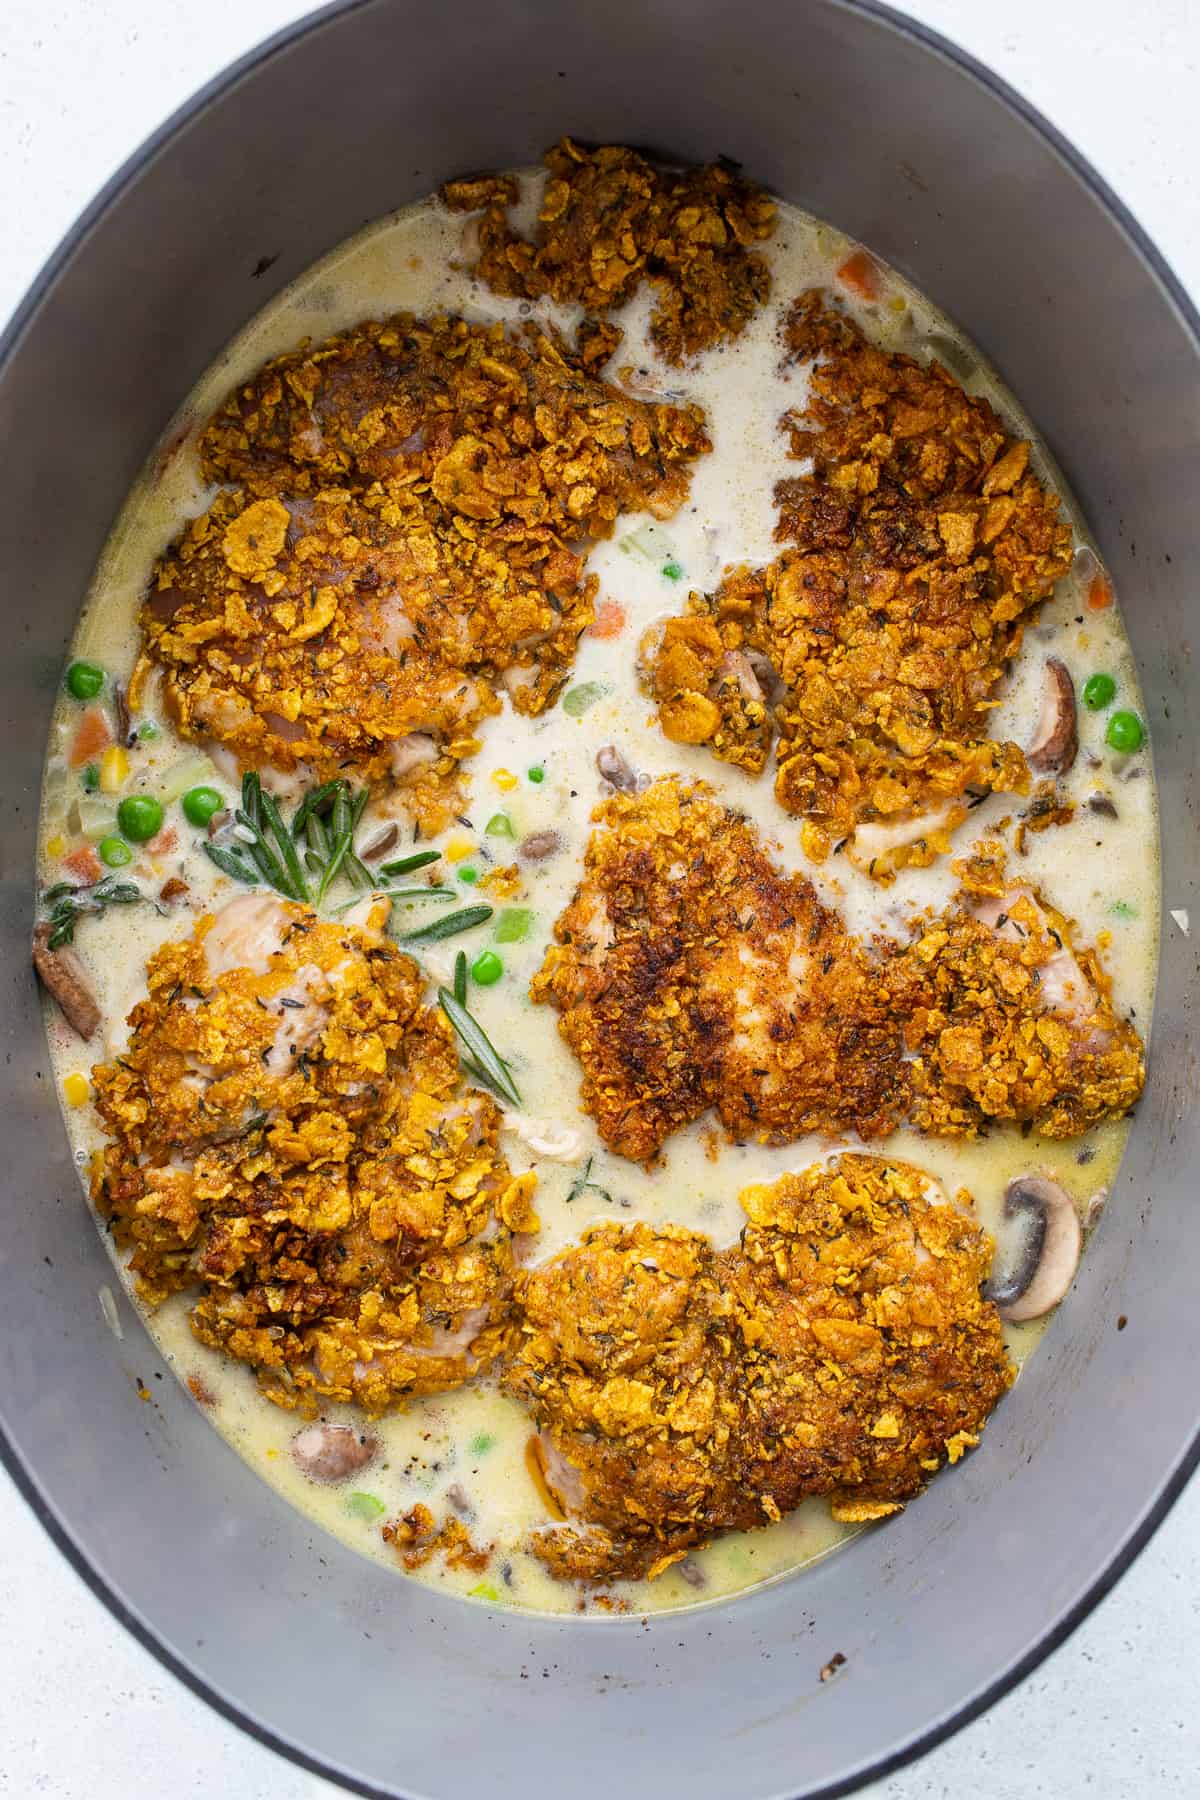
pixel 865 120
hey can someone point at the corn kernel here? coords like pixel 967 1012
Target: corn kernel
pixel 504 779
pixel 114 769
pixel 76 1089
pixel 55 846
pixel 458 850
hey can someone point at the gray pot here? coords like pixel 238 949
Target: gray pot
pixel 900 140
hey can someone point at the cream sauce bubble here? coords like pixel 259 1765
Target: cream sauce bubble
pixel 468 1448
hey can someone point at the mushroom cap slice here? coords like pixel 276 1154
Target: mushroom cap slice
pixel 62 974
pixel 1049 1242
pixel 332 1453
pixel 1055 742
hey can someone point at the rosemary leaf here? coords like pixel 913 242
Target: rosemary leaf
pixel 230 863
pixel 448 926
pixel 287 848
pixel 483 1058
pixel 406 864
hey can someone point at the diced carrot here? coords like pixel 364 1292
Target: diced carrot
pixel 83 863
pixel 1099 594
pixel 92 737
pixel 861 274
pixel 610 620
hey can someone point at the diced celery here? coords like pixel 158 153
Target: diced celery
pixel 364 1506
pixel 513 924
pixel 193 771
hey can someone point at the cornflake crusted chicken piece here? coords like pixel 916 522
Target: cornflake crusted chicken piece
pixel 871 651
pixel 409 508
pixel 841 1349
pixel 1009 1018
pixel 690 973
pixel 610 220
pixel 287 1136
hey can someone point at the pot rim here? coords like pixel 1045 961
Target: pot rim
pixel 1176 1479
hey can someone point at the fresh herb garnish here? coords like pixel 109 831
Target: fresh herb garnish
pixel 482 1062
pixel 313 850
pixel 583 1184
pixel 460 978
pixel 448 926
pixel 405 865
pixel 68 904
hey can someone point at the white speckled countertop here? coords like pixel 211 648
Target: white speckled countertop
pixel 87 1712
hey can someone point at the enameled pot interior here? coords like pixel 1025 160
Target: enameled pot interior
pixel 858 118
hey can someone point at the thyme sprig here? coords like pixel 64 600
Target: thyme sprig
pixel 67 904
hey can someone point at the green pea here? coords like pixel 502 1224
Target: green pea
pixel 512 925
pixel 536 774
pixel 1125 732
pixel 487 968
pixel 578 699
pixel 469 875
pixel 1098 691
pixel 115 852
pixel 91 778
pixel 84 680
pixel 200 803
pixel 140 816
pixel 672 570
pixel 147 731
pixel 500 825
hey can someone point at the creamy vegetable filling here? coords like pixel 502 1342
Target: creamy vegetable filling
pixel 583 773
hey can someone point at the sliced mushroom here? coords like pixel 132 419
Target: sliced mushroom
pixel 540 845
pixel 381 843
pixel 1048 1241
pixel 125 734
pixel 61 973
pixel 1055 742
pixel 613 767
pixel 332 1452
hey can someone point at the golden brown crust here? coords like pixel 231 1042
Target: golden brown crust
pixel 610 220
pixel 690 973
pixel 407 527
pixel 1009 1017
pixel 841 1348
pixel 287 1136
pixel 921 543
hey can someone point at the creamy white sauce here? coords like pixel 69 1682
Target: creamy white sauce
pixel 1103 872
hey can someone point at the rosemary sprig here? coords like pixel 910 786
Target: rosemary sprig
pixel 449 925
pixel 460 978
pixel 482 1062
pixel 313 850
pixel 68 904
